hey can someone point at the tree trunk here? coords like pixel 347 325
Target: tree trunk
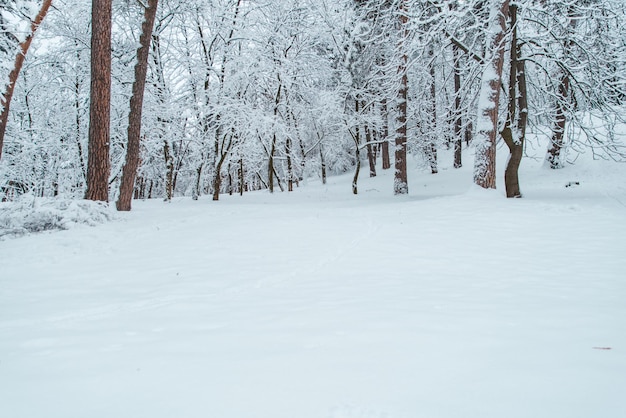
pixel 169 171
pixel 517 104
pixel 289 165
pixel 99 166
pixel 432 152
pixel 195 194
pixel 129 172
pixel 323 164
pixel 270 164
pixel 357 152
pixel 553 156
pixel 371 155
pixel 241 174
pixel 385 144
pixel 7 95
pixel 400 183
pixel 458 123
pixel 485 163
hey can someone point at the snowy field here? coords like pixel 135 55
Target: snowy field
pixel 451 302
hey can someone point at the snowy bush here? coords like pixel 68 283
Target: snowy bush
pixel 29 214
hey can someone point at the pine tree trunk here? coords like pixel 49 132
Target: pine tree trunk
pixel 7 94
pixel 129 172
pixel 98 165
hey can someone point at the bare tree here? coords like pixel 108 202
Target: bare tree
pixel 7 94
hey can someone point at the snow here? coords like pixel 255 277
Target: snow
pixel 30 214
pixel 449 302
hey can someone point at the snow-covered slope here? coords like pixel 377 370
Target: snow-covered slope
pixel 451 302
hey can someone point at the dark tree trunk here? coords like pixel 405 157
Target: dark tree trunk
pixel 7 94
pixel 197 190
pixel 98 165
pixel 385 145
pixel 400 183
pixel 432 152
pixel 129 172
pixel 169 171
pixel 289 165
pixel 270 164
pixel 217 178
pixel 371 154
pixel 241 177
pixel 458 123
pixel 230 180
pixel 517 104
pixel 357 153
pixel 323 164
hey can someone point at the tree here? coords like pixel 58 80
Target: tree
pixel 129 173
pixel 489 100
pixel 99 166
pixel 400 183
pixel 7 94
pixel 513 133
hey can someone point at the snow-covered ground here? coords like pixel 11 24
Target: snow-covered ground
pixel 451 302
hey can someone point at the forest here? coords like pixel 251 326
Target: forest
pixel 431 220
pixel 127 99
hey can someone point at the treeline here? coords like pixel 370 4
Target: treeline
pixel 247 95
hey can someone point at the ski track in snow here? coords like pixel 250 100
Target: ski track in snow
pixel 318 304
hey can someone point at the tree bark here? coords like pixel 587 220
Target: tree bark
pixel 458 122
pixel 518 109
pixel 357 152
pixel 553 156
pixel 217 179
pixel 485 163
pixel 99 166
pixel 432 146
pixel 129 172
pixel 270 163
pixel 169 170
pixel 371 155
pixel 5 98
pixel 400 183
pixel 385 145
pixel 323 164
pixel 289 165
